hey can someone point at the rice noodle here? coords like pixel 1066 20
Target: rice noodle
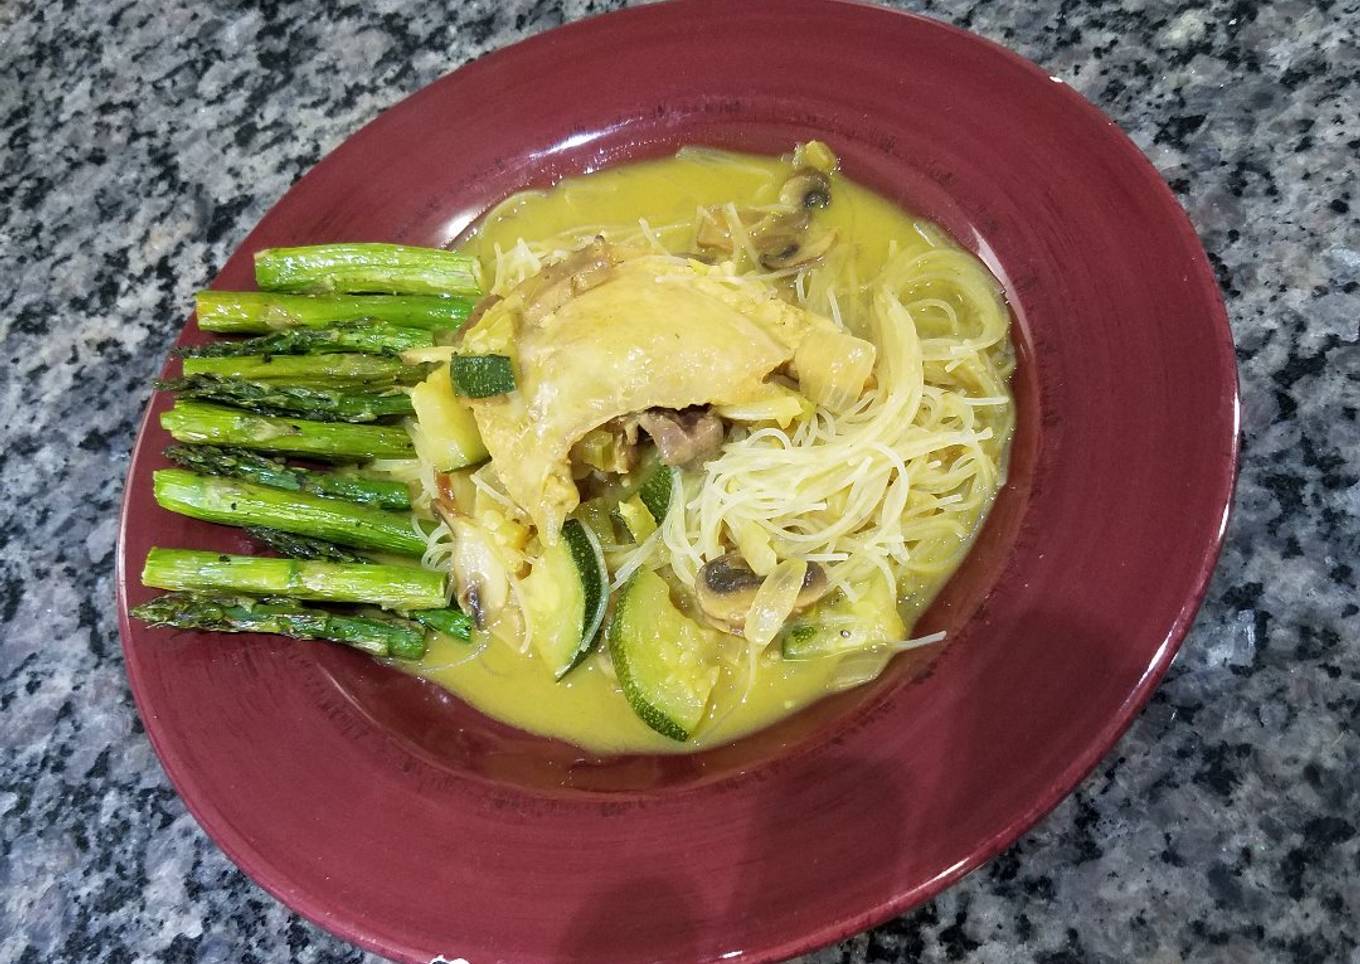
pixel 889 486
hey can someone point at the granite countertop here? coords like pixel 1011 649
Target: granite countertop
pixel 139 141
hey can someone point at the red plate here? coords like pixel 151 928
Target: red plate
pixel 390 814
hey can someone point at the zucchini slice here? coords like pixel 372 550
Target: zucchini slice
pixel 637 518
pixel 665 662
pixel 482 376
pixel 595 513
pixel 838 625
pixel 566 595
pixel 445 434
pixel 656 491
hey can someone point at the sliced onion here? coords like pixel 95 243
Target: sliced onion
pixel 858 668
pixel 774 601
pixel 861 666
pixel 753 543
pixel 771 402
pixel 483 584
pixel 833 368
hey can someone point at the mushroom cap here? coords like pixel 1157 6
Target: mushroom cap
pixel 807 188
pixel 726 587
pixel 801 250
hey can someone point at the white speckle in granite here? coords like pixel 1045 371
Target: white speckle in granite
pixel 1187 28
pixel 99 543
pixel 140 141
pixel 1237 646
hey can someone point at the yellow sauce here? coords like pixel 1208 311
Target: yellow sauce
pixel 587 707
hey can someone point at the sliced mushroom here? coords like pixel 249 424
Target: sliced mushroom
pixel 715 233
pixel 777 230
pixel 799 252
pixel 712 235
pixel 726 588
pixel 481 584
pixel 470 601
pixel 557 284
pixel 766 228
pixel 779 237
pixel 807 188
pixel 685 436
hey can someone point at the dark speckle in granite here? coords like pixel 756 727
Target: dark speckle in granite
pixel 140 141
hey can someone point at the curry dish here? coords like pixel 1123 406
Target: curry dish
pixel 701 440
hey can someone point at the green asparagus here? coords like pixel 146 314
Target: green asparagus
pixel 316 371
pixel 450 622
pixel 363 268
pixel 363 337
pixel 260 312
pixel 262 470
pixel 200 422
pixel 375 635
pixel 391 587
pixel 325 405
pixel 302 547
pixel 233 502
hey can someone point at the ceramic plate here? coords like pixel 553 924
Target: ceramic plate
pixel 389 813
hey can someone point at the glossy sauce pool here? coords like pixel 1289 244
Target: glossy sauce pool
pixel 587 708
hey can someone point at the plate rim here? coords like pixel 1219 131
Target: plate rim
pixel 275 880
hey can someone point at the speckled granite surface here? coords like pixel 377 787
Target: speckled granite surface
pixel 138 143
